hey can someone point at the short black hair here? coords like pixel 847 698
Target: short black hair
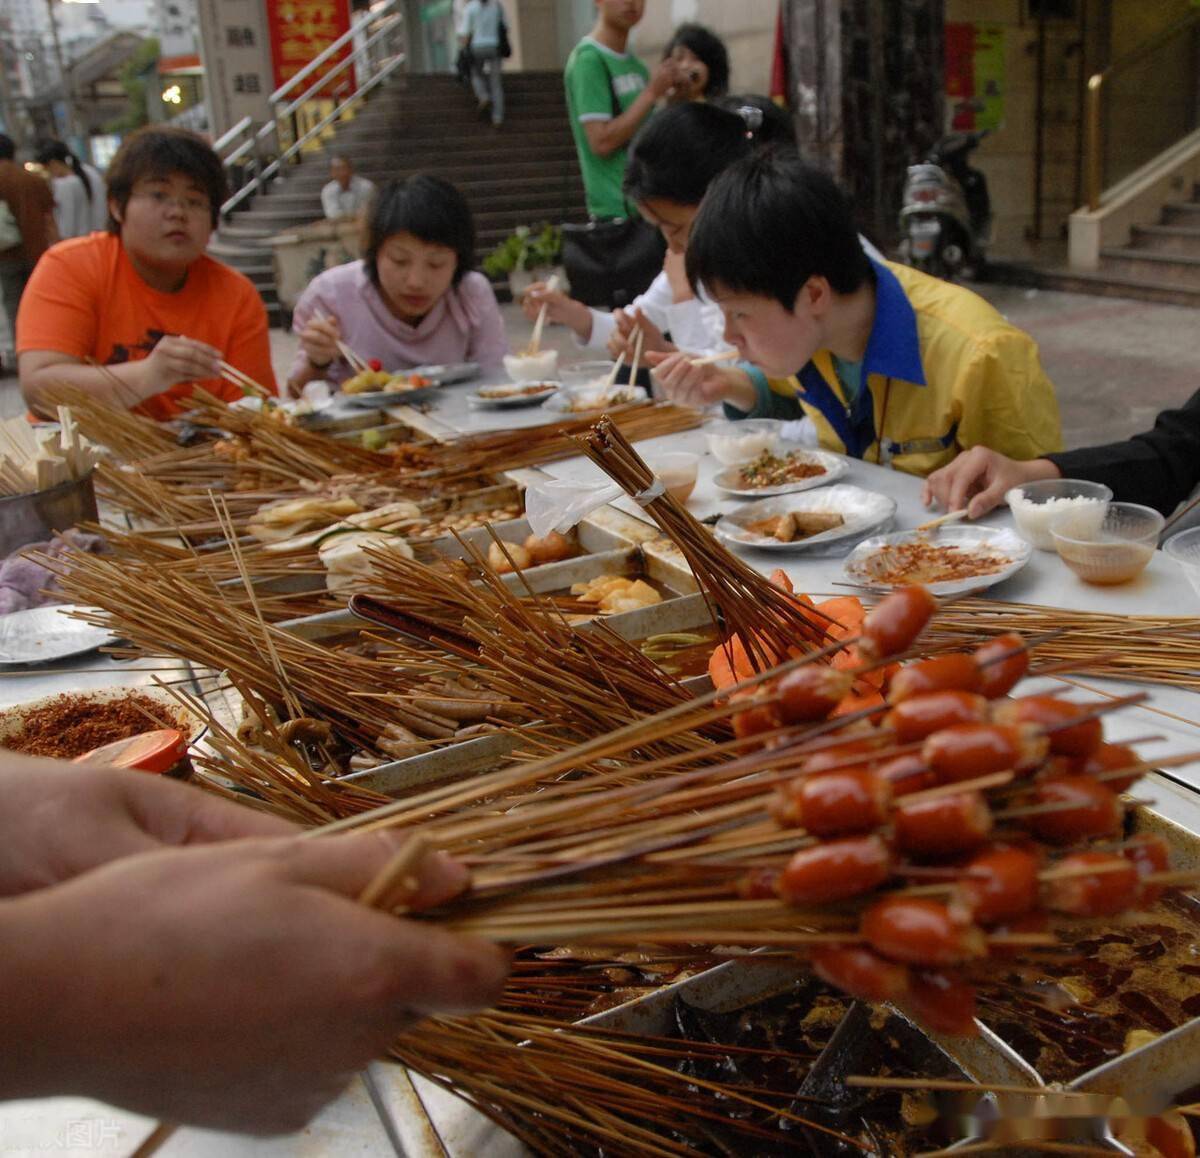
pixel 707 46
pixel 766 121
pixel 768 224
pixel 7 149
pixel 429 208
pixel 155 152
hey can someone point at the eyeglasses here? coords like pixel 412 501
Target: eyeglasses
pixel 192 203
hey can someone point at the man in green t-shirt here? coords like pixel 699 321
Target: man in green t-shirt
pixel 609 93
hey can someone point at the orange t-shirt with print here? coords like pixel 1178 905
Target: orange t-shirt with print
pixel 85 299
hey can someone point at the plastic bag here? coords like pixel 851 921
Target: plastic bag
pixel 559 504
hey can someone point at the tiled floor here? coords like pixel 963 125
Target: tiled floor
pixel 1116 363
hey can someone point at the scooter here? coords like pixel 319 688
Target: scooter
pixel 946 217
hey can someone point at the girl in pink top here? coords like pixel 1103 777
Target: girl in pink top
pixel 413 299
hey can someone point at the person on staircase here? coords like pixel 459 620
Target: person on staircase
pixel 414 299
pixel 347 194
pixel 482 32
pixel 141 315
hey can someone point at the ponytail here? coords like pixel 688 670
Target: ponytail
pixel 47 151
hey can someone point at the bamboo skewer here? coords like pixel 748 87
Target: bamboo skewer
pixel 942 520
pixel 240 379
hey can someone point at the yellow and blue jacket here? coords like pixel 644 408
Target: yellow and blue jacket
pixel 943 371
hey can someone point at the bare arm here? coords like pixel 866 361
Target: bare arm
pixel 605 137
pixel 174 360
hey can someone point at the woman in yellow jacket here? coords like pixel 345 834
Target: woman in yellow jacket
pixel 896 367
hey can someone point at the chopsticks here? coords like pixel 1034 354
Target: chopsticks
pixel 357 362
pixel 1191 506
pixel 639 338
pixel 535 342
pixel 242 380
pixel 712 359
pixel 942 520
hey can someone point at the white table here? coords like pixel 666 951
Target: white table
pixel 350 1125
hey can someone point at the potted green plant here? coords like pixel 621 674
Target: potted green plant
pixel 526 255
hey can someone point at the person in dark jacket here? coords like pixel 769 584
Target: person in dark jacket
pixel 1159 468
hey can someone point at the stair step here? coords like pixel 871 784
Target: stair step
pixel 1100 284
pixel 1168 269
pixel 1175 239
pixel 1181 213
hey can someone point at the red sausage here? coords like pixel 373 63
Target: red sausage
pixel 944 1003
pixel 1054 717
pixel 758 885
pixel 1094 894
pixel 860 973
pixel 907 774
pixel 811 692
pixel 1000 884
pixel 836 803
pixel 852 753
pixel 893 623
pixel 1148 854
pixel 943 826
pixel 1108 758
pixel 756 720
pixel 1087 809
pixel 919 931
pixel 835 870
pixel 965 751
pixel 1002 664
pixel 920 716
pixel 1037 921
pixel 955 672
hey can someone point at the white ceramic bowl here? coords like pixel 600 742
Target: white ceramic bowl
pixel 735 443
pixel 532 367
pixel 1036 505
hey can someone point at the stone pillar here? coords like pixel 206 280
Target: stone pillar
pixel 866 89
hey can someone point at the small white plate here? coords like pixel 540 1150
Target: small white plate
pixel 515 400
pixel 44 634
pixel 566 400
pixel 729 479
pixel 862 511
pixel 445 375
pixel 860 566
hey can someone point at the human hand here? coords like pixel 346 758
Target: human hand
pixel 624 337
pixel 665 78
pixel 319 341
pixel 250 961
pixel 560 308
pixel 698 383
pixel 63 819
pixel 979 478
pixel 176 359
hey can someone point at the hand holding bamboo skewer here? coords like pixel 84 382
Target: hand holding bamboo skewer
pixel 942 520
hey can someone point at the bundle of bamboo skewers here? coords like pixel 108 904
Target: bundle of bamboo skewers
pixel 31 462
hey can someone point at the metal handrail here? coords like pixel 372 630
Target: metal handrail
pixel 1094 137
pixel 267 173
pixel 232 134
pixel 323 56
pixel 259 142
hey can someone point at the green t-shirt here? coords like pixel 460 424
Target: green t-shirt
pixel 593 74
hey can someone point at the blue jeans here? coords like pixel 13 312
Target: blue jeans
pixel 485 79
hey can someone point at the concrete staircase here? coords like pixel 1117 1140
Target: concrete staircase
pixel 520 174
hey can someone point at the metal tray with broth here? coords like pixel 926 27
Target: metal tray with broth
pixel 861 512
pixel 732 482
pixel 377 399
pixel 965 558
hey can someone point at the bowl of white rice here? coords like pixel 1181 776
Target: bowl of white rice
pixel 1036 505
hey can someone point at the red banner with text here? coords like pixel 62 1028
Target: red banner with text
pixel 301 30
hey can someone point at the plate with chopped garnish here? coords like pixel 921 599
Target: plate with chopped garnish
pixel 832 517
pixel 947 561
pixel 781 472
pixel 513 394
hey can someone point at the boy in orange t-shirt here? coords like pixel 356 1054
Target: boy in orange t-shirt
pixel 144 300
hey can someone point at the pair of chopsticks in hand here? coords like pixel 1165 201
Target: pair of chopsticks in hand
pixel 357 362
pixel 638 338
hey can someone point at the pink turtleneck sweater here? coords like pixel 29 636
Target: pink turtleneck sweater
pixel 464 325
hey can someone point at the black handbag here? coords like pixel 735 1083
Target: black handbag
pixel 608 262
pixel 505 44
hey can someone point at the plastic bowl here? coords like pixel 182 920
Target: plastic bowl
pixel 735 443
pixel 677 471
pixel 1114 552
pixel 584 373
pixel 532 367
pixel 1184 548
pixel 1036 505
